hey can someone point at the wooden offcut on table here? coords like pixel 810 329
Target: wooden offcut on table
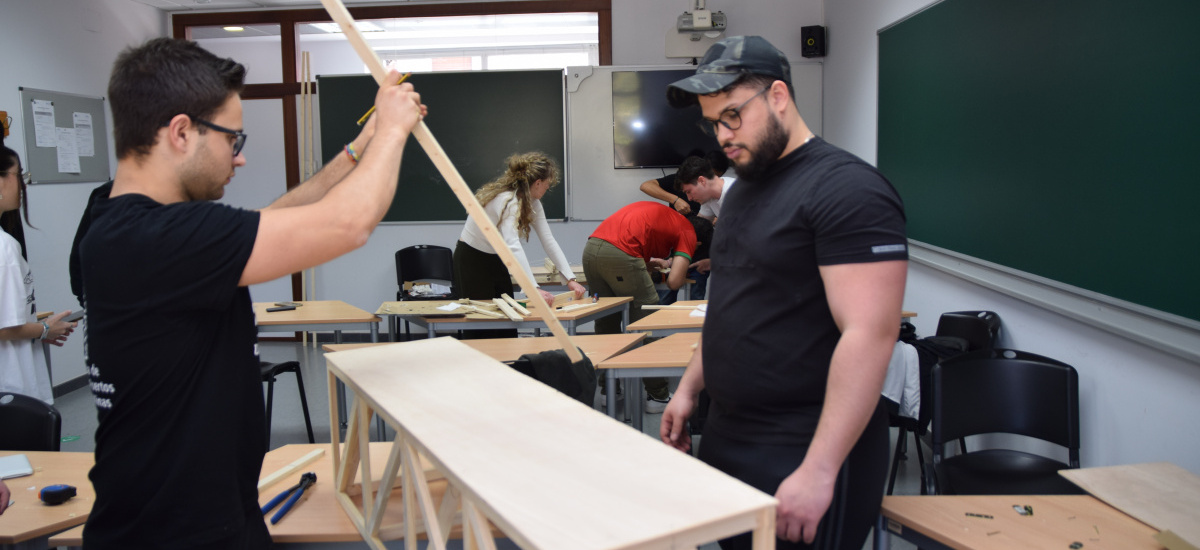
pixel 1160 494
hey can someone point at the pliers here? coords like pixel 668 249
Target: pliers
pixel 296 491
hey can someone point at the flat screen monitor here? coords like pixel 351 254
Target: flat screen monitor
pixel 647 131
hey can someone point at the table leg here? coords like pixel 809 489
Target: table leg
pixel 881 535
pixel 610 392
pixel 624 317
pixel 341 388
pixel 637 395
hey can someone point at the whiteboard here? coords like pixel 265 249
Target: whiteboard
pixel 595 188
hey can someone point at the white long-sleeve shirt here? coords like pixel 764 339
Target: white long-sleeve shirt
pixel 503 211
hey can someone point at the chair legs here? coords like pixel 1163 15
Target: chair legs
pixel 269 372
pixel 901 449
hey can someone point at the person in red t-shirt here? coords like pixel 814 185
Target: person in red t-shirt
pixel 617 261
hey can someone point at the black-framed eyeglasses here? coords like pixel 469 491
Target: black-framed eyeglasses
pixel 730 118
pixel 239 138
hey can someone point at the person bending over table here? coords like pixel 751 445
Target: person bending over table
pixel 808 273
pixel 171 342
pixel 617 259
pixel 22 358
pixel 514 203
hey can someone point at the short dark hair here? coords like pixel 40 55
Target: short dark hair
pixel 718 160
pixel 165 77
pixel 758 82
pixel 704 236
pixel 691 169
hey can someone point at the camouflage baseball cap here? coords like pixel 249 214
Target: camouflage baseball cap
pixel 725 62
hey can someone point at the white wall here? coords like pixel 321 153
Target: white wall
pixel 64 46
pixel 1135 402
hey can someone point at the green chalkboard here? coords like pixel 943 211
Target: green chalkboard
pixel 1055 137
pixel 479 118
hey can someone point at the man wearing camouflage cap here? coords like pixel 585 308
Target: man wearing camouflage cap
pixel 808 271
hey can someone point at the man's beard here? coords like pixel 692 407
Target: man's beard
pixel 774 141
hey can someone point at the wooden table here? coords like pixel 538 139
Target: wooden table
pixel 666 357
pixel 670 321
pixel 28 523
pixel 548 471
pixel 597 347
pixel 318 316
pixel 938 522
pixel 570 320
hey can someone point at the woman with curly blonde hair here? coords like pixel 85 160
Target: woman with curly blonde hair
pixel 513 203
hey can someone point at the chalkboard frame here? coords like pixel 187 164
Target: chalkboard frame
pixel 479 118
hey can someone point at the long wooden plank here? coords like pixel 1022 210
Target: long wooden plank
pixel 1161 494
pixel 521 446
pixel 338 12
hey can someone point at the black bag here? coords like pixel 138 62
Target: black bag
pixel 555 369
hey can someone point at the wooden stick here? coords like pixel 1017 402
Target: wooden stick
pixel 484 312
pixel 516 305
pixel 657 306
pixel 507 309
pixel 337 11
pixel 290 469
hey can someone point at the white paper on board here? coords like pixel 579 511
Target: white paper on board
pixel 68 151
pixel 43 123
pixel 83 135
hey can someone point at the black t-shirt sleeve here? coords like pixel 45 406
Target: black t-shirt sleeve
pixel 212 244
pixel 858 217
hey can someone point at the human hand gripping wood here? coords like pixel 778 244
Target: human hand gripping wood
pixel 338 12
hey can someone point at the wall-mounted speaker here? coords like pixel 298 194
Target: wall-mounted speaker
pixel 812 41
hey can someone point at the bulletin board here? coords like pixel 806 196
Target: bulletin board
pixel 51 155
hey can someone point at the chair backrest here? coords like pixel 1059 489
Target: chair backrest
pixel 28 424
pixel 1006 391
pixel 424 262
pixel 981 329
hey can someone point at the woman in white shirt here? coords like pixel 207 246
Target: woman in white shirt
pixel 513 203
pixel 23 367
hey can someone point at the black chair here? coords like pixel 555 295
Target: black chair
pixel 1010 392
pixel 28 424
pixel 981 329
pixel 957 331
pixel 423 262
pixel 269 372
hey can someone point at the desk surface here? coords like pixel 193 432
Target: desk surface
pixel 681 319
pixel 28 518
pixel 388 308
pixel 552 472
pixel 319 518
pixel 312 312
pixel 598 347
pixel 673 351
pixel 1057 522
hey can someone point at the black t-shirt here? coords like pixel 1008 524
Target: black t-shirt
pixel 667 183
pixel 172 358
pixel 769 335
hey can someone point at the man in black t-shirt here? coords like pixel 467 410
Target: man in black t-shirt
pixel 171 339
pixel 808 278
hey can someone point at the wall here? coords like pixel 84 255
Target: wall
pixel 65 46
pixel 1132 397
pixel 366 277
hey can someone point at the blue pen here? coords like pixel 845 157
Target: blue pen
pixel 295 492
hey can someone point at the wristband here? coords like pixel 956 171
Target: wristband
pixel 350 152
pixel 674 201
pixel 45 330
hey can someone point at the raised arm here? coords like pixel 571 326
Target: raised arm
pixel 652 188
pixel 865 300
pixel 330 175
pixel 290 239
